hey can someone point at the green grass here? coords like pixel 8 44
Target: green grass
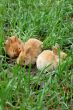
pixel 52 22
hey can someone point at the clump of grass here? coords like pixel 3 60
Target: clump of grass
pixel 52 22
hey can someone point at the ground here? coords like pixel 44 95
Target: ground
pixel 52 22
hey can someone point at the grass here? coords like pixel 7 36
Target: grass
pixel 52 22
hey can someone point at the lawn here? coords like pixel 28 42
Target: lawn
pixel 23 88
